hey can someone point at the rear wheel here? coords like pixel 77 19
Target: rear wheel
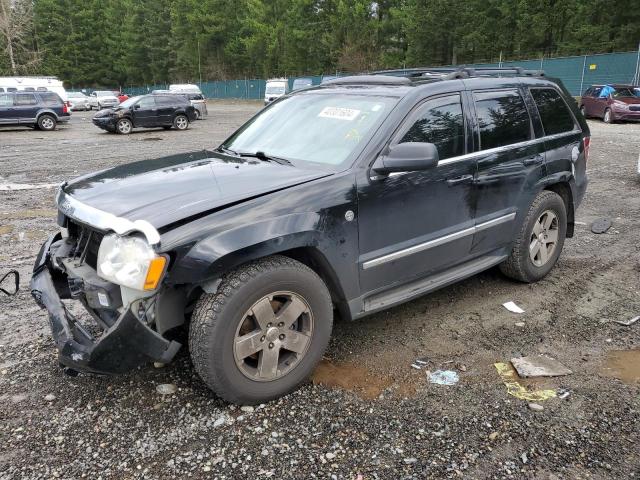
pixel 181 122
pixel 540 240
pixel 583 111
pixel 46 122
pixel 262 334
pixel 124 126
pixel 198 114
pixel 608 116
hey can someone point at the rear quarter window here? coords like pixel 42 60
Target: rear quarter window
pixel 554 113
pixel 24 99
pixel 502 117
pixel 50 99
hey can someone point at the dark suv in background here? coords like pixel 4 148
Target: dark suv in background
pixel 611 103
pixel 168 111
pixel 43 110
pixel 354 196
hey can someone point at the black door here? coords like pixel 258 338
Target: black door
pixel 414 224
pixel 26 107
pixel 166 108
pixel 510 162
pixel 145 113
pixel 7 110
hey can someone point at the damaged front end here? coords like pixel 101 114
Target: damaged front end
pixel 124 332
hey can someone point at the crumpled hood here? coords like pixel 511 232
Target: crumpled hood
pixel 169 189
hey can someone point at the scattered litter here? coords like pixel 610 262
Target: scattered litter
pixel 539 366
pixel 50 397
pixel 509 378
pixel 562 394
pixel 536 407
pixel 512 307
pixel 493 435
pixel 581 223
pixel 444 377
pixel 421 362
pixel 520 324
pixel 601 225
pixel 628 322
pixel 16 282
pixel 462 367
pixel 524 458
pixel 5 187
pixel 166 389
pixel 417 367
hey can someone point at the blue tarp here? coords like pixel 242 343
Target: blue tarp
pixel 606 91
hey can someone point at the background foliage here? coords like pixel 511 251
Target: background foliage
pixel 124 42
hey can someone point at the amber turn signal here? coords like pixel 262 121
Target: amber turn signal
pixel 154 273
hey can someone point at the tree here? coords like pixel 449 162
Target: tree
pixel 15 29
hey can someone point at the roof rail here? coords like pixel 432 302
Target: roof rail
pixel 369 80
pixel 449 73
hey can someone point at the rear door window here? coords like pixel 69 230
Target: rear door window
pixel 50 99
pixel 166 101
pixel 502 117
pixel 554 113
pixel 25 99
pixel 147 103
pixel 439 121
pixel 6 100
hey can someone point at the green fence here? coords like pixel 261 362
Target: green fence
pixel 577 73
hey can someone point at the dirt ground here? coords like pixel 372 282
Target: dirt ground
pixel 368 413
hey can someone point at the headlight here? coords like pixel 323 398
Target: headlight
pixel 130 262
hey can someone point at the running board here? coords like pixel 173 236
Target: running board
pixel 419 287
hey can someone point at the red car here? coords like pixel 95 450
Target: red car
pixel 611 102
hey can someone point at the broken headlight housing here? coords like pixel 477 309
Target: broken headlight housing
pixel 130 261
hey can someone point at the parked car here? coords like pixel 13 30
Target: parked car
pixel 147 111
pixel 274 89
pixel 356 195
pixel 42 110
pixel 611 103
pixel 78 101
pixel 102 99
pixel 196 99
pixel 299 83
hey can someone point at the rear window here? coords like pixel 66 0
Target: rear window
pixel 26 99
pixel 50 99
pixel 554 113
pixel 503 118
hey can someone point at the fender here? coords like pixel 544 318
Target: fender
pixel 47 111
pixel 564 184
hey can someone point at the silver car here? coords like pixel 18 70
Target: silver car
pixel 102 99
pixel 78 101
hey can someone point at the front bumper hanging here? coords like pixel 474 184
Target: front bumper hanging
pixel 125 345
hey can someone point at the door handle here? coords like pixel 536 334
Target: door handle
pixel 537 160
pixel 460 180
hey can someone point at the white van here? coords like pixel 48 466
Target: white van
pixel 276 87
pixel 195 96
pixel 33 84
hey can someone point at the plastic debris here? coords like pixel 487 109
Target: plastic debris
pixel 539 366
pixel 417 367
pixel 12 290
pixel 421 362
pixel 562 394
pixel 536 407
pixel 444 377
pixel 166 389
pixel 509 378
pixel 628 323
pixel 512 307
pixel 601 225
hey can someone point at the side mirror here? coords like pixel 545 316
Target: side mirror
pixel 407 157
pixel 136 106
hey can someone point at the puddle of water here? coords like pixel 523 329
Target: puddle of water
pixel 350 377
pixel 623 365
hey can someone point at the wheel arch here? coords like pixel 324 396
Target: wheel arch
pixel 46 112
pixel 564 189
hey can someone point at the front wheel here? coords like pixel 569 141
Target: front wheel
pixel 124 126
pixel 181 122
pixel 608 116
pixel 264 331
pixel 540 240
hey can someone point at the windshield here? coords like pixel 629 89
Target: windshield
pixel 129 101
pixel 315 127
pixel 274 90
pixel 622 92
pixel 104 94
pixel 75 95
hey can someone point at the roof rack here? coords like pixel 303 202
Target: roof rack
pixel 449 73
pixel 380 79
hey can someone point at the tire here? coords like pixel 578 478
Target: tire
pixel 181 122
pixel 520 265
pixel 583 111
pixel 124 126
pixel 47 122
pixel 220 319
pixel 608 116
pixel 198 114
pixel 98 107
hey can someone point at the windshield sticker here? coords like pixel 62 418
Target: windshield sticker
pixel 339 113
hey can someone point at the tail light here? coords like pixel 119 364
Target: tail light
pixel 586 141
pixel 65 107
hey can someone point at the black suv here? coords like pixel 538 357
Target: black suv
pixel 43 110
pixel 356 195
pixel 147 111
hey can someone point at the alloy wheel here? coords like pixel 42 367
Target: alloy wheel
pixel 182 123
pixel 124 127
pixel 47 123
pixel 544 238
pixel 273 336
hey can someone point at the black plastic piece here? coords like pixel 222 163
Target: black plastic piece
pixel 16 281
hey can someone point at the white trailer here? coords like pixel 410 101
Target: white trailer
pixel 33 84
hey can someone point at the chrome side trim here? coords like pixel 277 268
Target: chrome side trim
pixel 438 241
pixel 77 210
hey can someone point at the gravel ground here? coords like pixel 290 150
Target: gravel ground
pixel 367 414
